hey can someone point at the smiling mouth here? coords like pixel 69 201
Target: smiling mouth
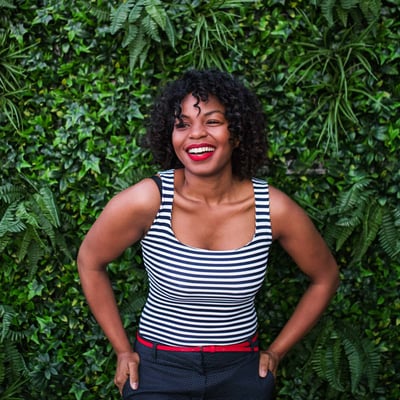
pixel 201 150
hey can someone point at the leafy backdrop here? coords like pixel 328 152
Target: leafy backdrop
pixel 77 79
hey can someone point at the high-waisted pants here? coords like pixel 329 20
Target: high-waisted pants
pixel 170 375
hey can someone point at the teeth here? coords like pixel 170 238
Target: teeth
pixel 199 150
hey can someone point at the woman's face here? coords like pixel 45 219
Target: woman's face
pixel 201 137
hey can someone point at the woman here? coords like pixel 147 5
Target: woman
pixel 206 227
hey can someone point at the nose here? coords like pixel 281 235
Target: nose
pixel 197 131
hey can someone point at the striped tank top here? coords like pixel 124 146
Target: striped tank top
pixel 201 297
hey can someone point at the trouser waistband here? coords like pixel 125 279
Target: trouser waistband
pixel 247 346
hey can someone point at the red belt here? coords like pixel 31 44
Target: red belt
pixel 249 345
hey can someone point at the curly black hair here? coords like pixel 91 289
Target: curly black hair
pixel 243 112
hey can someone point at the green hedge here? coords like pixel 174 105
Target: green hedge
pixel 74 97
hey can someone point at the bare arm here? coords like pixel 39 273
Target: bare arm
pixel 300 239
pixel 124 221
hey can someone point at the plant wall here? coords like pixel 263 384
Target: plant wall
pixel 77 79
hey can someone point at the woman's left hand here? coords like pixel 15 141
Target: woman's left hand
pixel 269 361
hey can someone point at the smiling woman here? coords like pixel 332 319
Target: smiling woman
pixel 206 233
pixel 238 107
pixel 201 133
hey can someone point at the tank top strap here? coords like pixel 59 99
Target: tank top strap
pixel 167 186
pixel 262 204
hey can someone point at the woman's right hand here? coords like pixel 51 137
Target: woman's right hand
pixel 127 366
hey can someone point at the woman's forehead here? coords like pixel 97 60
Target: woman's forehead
pixel 192 102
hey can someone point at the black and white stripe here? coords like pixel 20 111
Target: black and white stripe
pixel 201 297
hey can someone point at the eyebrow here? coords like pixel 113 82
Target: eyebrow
pixel 213 112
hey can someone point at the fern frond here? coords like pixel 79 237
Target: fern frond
pixel 396 215
pixel 4 241
pixel 48 206
pixel 372 222
pixel 351 209
pixel 354 355
pixel 143 56
pixel 170 32
pixel 6 315
pixel 24 245
pixel 14 360
pixel 137 48
pixel 35 253
pixel 342 234
pixel 156 10
pixel 343 16
pixel 130 36
pixel 102 15
pixel 10 193
pixel 327 10
pixel 370 9
pixel 15 336
pixel 12 364
pixel 9 222
pixel 345 359
pixel 348 4
pixel 32 246
pixel 334 357
pixel 389 232
pixel 30 223
pixel 354 195
pixel 24 213
pixel 372 363
pixel 136 12
pixel 352 220
pixel 62 245
pixel 46 226
pixel 150 28
pixel 119 16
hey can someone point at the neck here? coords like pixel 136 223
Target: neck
pixel 209 189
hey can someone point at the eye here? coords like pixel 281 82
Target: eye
pixel 214 122
pixel 181 125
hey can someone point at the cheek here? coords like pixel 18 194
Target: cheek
pixel 174 140
pixel 177 139
pixel 176 143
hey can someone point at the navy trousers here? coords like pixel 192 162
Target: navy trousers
pixel 166 375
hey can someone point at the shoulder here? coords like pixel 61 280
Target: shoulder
pixel 125 220
pixel 280 201
pixel 132 210
pixel 144 196
pixel 287 217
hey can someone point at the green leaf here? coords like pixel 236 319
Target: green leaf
pixel 156 10
pixel 120 15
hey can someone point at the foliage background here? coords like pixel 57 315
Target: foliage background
pixel 77 79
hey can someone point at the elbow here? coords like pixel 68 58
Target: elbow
pixel 88 261
pixel 80 262
pixel 83 260
pixel 330 279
